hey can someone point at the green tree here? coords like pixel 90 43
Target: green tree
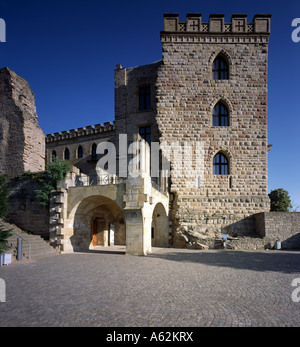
pixel 280 200
pixel 4 191
pixel 56 171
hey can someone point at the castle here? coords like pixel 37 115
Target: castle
pixel 202 110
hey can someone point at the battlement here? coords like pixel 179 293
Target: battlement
pixel 88 130
pixel 216 24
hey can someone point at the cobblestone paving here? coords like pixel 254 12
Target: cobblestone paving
pixel 169 288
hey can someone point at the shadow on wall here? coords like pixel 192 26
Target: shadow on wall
pixel 243 227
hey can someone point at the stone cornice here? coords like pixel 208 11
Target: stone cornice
pixel 207 37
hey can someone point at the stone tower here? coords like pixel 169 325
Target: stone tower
pixel 22 142
pixel 212 90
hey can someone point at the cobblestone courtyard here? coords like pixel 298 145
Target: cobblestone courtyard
pixel 169 288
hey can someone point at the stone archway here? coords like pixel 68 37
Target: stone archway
pixel 94 220
pixel 160 227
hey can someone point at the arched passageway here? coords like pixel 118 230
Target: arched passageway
pixel 98 220
pixel 159 228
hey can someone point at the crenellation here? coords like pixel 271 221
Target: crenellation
pixel 82 131
pixel 216 24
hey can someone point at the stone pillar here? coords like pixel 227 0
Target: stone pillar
pixel 134 231
pixel 138 213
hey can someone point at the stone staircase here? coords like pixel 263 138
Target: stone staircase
pixel 39 248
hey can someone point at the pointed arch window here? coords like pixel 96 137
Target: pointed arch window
pixel 94 151
pixel 220 164
pixel 67 154
pixel 53 156
pixel 220 69
pixel 220 115
pixel 80 152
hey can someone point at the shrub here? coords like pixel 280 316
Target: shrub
pixel 4 234
pixel 56 171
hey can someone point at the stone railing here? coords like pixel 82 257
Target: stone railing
pixel 96 180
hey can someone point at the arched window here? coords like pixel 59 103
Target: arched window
pixel 221 164
pixel 67 154
pixel 220 69
pixel 220 115
pixel 94 151
pixel 79 152
pixel 54 156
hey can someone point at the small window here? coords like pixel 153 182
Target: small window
pixel 94 151
pixel 220 69
pixel 54 156
pixel 145 133
pixel 80 152
pixel 220 115
pixel 67 154
pixel 144 98
pixel 221 166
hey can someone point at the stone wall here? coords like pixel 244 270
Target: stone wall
pixel 281 226
pixel 22 142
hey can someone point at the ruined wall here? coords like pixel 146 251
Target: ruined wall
pixel 22 142
pixel 187 94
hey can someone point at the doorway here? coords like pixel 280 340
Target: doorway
pixel 100 232
pixel 103 233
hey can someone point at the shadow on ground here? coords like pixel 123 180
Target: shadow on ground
pixel 278 261
pixel 285 261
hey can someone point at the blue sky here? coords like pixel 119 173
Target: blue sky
pixel 68 50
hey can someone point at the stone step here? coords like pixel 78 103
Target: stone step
pixel 38 246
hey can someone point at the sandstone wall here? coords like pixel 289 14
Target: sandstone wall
pixel 186 96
